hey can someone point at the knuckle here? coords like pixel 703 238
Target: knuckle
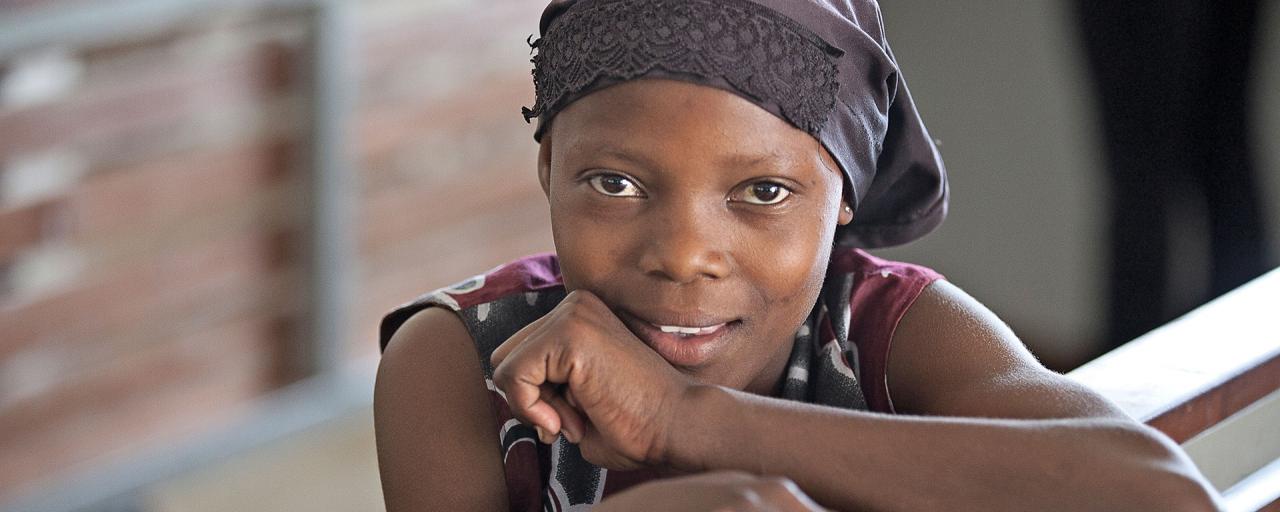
pixel 575 297
pixel 584 301
pixel 578 315
pixel 504 378
pixel 501 375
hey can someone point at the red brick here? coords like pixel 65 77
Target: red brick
pixel 406 212
pixel 382 130
pixel 24 227
pixel 160 97
pixel 190 287
pixel 461 33
pixel 163 394
pixel 125 202
pixel 162 288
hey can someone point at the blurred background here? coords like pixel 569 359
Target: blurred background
pixel 206 206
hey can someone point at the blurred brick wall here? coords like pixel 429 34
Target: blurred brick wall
pixel 150 211
pixel 448 165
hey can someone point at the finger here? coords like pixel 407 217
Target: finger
pixel 572 424
pixel 529 331
pixel 521 380
pixel 543 417
pixel 504 350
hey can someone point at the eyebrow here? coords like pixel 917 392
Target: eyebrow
pixel 627 155
pixel 770 160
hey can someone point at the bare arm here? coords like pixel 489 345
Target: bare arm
pixel 436 435
pixel 1016 436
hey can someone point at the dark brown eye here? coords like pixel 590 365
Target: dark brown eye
pixel 765 192
pixel 614 185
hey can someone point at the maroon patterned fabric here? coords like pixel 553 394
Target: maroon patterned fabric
pixel 832 369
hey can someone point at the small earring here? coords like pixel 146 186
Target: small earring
pixel 848 209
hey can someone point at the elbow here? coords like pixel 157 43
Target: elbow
pixel 1185 493
pixel 1182 492
pixel 1161 476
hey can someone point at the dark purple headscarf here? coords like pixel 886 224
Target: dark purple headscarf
pixel 822 65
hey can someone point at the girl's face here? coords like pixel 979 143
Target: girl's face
pixel 703 221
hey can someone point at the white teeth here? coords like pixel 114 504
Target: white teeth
pixel 689 330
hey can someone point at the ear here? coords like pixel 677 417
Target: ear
pixel 544 164
pixel 846 213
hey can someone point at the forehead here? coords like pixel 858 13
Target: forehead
pixel 673 119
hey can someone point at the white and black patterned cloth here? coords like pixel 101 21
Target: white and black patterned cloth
pixel 823 368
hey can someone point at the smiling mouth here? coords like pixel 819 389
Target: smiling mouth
pixel 689 331
pixel 685 340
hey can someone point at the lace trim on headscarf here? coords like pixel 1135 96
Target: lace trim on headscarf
pixel 763 55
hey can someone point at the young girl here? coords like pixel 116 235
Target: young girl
pixel 709 335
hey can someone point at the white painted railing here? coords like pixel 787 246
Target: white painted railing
pixel 1210 380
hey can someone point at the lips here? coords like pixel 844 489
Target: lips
pixel 690 331
pixel 683 340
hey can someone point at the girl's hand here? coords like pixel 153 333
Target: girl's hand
pixel 727 491
pixel 579 371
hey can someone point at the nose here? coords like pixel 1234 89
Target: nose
pixel 686 245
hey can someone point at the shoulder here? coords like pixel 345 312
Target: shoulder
pixel 535 274
pixel 427 458
pixel 879 292
pixel 953 356
pixel 437 422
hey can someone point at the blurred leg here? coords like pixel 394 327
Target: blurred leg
pixel 1225 173
pixel 1135 57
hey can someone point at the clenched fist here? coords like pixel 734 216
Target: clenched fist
pixel 579 371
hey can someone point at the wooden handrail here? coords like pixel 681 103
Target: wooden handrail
pixel 1202 369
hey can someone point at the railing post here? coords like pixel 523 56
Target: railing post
pixel 330 241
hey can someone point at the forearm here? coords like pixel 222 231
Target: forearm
pixel 852 460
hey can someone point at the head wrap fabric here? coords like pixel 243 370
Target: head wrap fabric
pixel 735 45
pixel 824 66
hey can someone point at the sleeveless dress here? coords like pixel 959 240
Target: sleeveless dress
pixel 839 359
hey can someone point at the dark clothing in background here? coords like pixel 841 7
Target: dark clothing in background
pixel 1173 82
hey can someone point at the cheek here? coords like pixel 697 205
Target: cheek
pixel 798 256
pixel 589 248
pixel 787 276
